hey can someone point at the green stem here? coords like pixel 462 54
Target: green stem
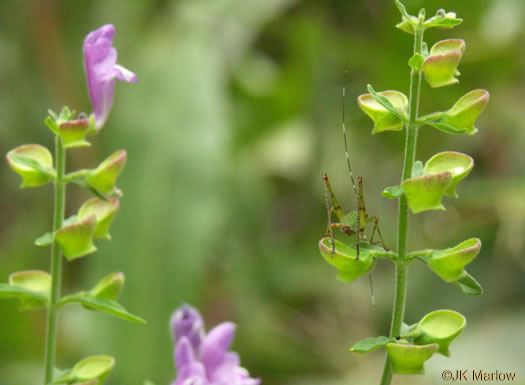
pixel 398 312
pixel 56 263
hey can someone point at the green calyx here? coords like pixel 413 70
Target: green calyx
pixel 73 133
pixel 440 327
pixel 76 237
pixel 109 287
pixel 458 164
pixel 388 109
pixel 463 114
pixel 344 259
pixel 449 263
pixel 104 212
pixel 91 370
pixel 409 359
pixel 438 177
pixel 440 67
pixel 31 287
pixel 103 178
pixel 34 163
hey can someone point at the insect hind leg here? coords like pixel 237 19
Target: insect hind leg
pixel 329 214
pixel 375 220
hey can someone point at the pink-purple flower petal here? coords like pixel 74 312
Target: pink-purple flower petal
pixel 100 59
pixel 215 365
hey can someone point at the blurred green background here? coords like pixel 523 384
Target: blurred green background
pixel 236 114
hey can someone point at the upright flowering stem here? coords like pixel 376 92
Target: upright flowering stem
pixel 398 312
pixel 56 262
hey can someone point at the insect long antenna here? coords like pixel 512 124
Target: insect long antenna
pixel 346 145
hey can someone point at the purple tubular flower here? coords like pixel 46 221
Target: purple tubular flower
pixel 205 361
pixel 101 68
pixel 187 322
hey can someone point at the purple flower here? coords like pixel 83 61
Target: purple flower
pixel 187 322
pixel 102 69
pixel 204 359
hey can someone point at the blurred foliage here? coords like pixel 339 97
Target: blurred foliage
pixel 236 114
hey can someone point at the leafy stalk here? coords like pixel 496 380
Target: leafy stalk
pixel 56 262
pixel 410 153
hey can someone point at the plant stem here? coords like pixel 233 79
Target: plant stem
pixel 56 262
pixel 398 312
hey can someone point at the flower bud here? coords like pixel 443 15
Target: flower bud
pixel 104 211
pixel 384 120
pixel 466 110
pixel 104 176
pixel 440 327
pixel 33 162
pixel 424 192
pixel 457 163
pixel 73 133
pixel 76 239
pixel 440 68
pixel 344 259
pixel 409 359
pixel 109 287
pixel 187 322
pixel 449 263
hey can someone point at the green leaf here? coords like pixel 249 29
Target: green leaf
pixel 10 291
pixel 402 9
pixel 50 122
pixel 94 191
pixel 32 163
pixel 379 109
pixel 370 343
pixel 392 192
pixel 416 62
pixel 31 287
pixel 445 127
pixel 44 240
pixel 447 23
pixel 469 285
pixel 443 20
pixel 386 103
pixel 101 304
